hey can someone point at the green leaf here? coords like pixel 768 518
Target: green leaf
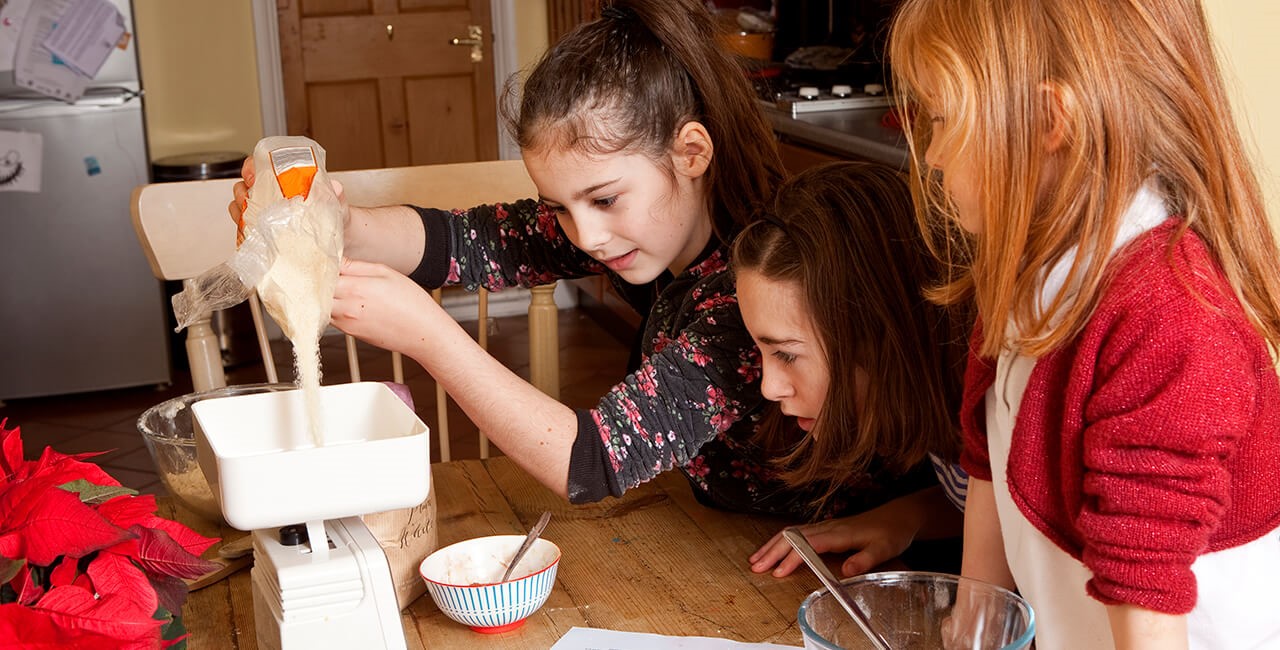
pixel 94 494
pixel 9 568
pixel 173 631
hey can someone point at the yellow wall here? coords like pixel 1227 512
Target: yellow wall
pixel 531 32
pixel 201 79
pixel 1246 31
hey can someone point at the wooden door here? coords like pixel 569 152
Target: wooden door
pixel 379 84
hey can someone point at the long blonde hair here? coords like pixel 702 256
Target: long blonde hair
pixel 1136 94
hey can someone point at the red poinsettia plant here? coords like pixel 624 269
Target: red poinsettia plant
pixel 84 561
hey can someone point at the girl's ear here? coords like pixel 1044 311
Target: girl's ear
pixel 692 150
pixel 1059 102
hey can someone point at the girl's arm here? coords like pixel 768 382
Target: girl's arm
pixel 877 535
pixel 983 554
pixel 1135 628
pixel 386 309
pixel 391 235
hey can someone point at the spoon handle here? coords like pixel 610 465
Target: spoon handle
pixel 528 541
pixel 810 557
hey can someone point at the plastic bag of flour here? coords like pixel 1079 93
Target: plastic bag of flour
pixel 291 248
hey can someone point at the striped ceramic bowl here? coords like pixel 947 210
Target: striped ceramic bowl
pixel 464 580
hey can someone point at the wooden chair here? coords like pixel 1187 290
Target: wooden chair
pixel 184 230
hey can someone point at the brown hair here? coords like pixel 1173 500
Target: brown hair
pixel 1138 95
pixel 845 234
pixel 631 79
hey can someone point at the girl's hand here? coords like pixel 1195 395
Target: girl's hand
pixel 382 307
pixel 877 536
pixel 240 192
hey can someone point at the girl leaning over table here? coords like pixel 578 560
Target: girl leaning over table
pixel 1121 406
pixel 649 153
pixel 831 284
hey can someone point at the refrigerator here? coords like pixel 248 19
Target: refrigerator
pixel 79 307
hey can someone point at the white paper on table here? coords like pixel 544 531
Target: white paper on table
pixel 34 66
pixel 21 156
pixel 585 638
pixel 12 15
pixel 85 34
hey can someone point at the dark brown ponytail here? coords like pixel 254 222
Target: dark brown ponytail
pixel 633 78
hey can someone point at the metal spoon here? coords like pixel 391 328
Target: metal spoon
pixel 528 542
pixel 801 545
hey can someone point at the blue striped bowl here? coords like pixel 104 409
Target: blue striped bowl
pixel 464 580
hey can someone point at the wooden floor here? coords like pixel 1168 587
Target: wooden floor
pixel 591 360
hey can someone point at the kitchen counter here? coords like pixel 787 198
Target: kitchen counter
pixel 854 133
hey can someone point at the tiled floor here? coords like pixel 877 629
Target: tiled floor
pixel 591 360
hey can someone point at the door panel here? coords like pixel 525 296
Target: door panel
pixel 348 116
pixel 378 84
pixel 451 99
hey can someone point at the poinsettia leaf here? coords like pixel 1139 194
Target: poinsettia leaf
pixel 115 616
pixel 29 628
pixel 158 553
pixel 194 543
pixel 170 591
pixel 64 572
pixel 9 568
pixel 125 511
pixel 10 452
pixel 39 524
pixel 62 468
pixel 27 586
pixel 24 628
pixel 115 575
pixel 95 494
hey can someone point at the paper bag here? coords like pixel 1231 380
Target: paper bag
pixel 407 536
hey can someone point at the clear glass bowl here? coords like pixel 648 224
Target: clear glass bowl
pixel 169 434
pixel 910 609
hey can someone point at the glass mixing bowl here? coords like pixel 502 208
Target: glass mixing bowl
pixel 169 434
pixel 911 609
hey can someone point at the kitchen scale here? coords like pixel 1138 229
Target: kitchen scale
pixel 319 577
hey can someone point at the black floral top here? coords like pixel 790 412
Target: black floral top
pixel 693 402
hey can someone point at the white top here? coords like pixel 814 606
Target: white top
pixel 1236 607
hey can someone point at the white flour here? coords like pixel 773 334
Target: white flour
pixel 298 293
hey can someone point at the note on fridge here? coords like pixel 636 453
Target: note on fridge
pixel 85 34
pixel 20 161
pixel 12 15
pixel 34 66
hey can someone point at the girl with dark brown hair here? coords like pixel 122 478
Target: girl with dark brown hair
pixel 830 283
pixel 649 154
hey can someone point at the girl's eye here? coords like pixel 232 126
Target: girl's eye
pixel 558 209
pixel 606 201
pixel 785 357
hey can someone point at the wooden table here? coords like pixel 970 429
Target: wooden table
pixel 654 561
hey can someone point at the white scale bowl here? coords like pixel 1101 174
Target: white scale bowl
pixel 258 455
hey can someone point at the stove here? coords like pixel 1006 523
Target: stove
pixel 812 99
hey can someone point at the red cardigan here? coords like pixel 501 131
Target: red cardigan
pixel 1151 438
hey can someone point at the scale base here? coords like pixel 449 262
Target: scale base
pixel 303 600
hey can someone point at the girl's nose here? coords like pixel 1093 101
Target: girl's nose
pixel 773 385
pixel 593 231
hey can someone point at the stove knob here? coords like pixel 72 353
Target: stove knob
pixel 842 90
pixel 873 89
pixel 808 92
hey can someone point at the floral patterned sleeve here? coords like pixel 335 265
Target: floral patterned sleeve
pixel 498 246
pixel 699 377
